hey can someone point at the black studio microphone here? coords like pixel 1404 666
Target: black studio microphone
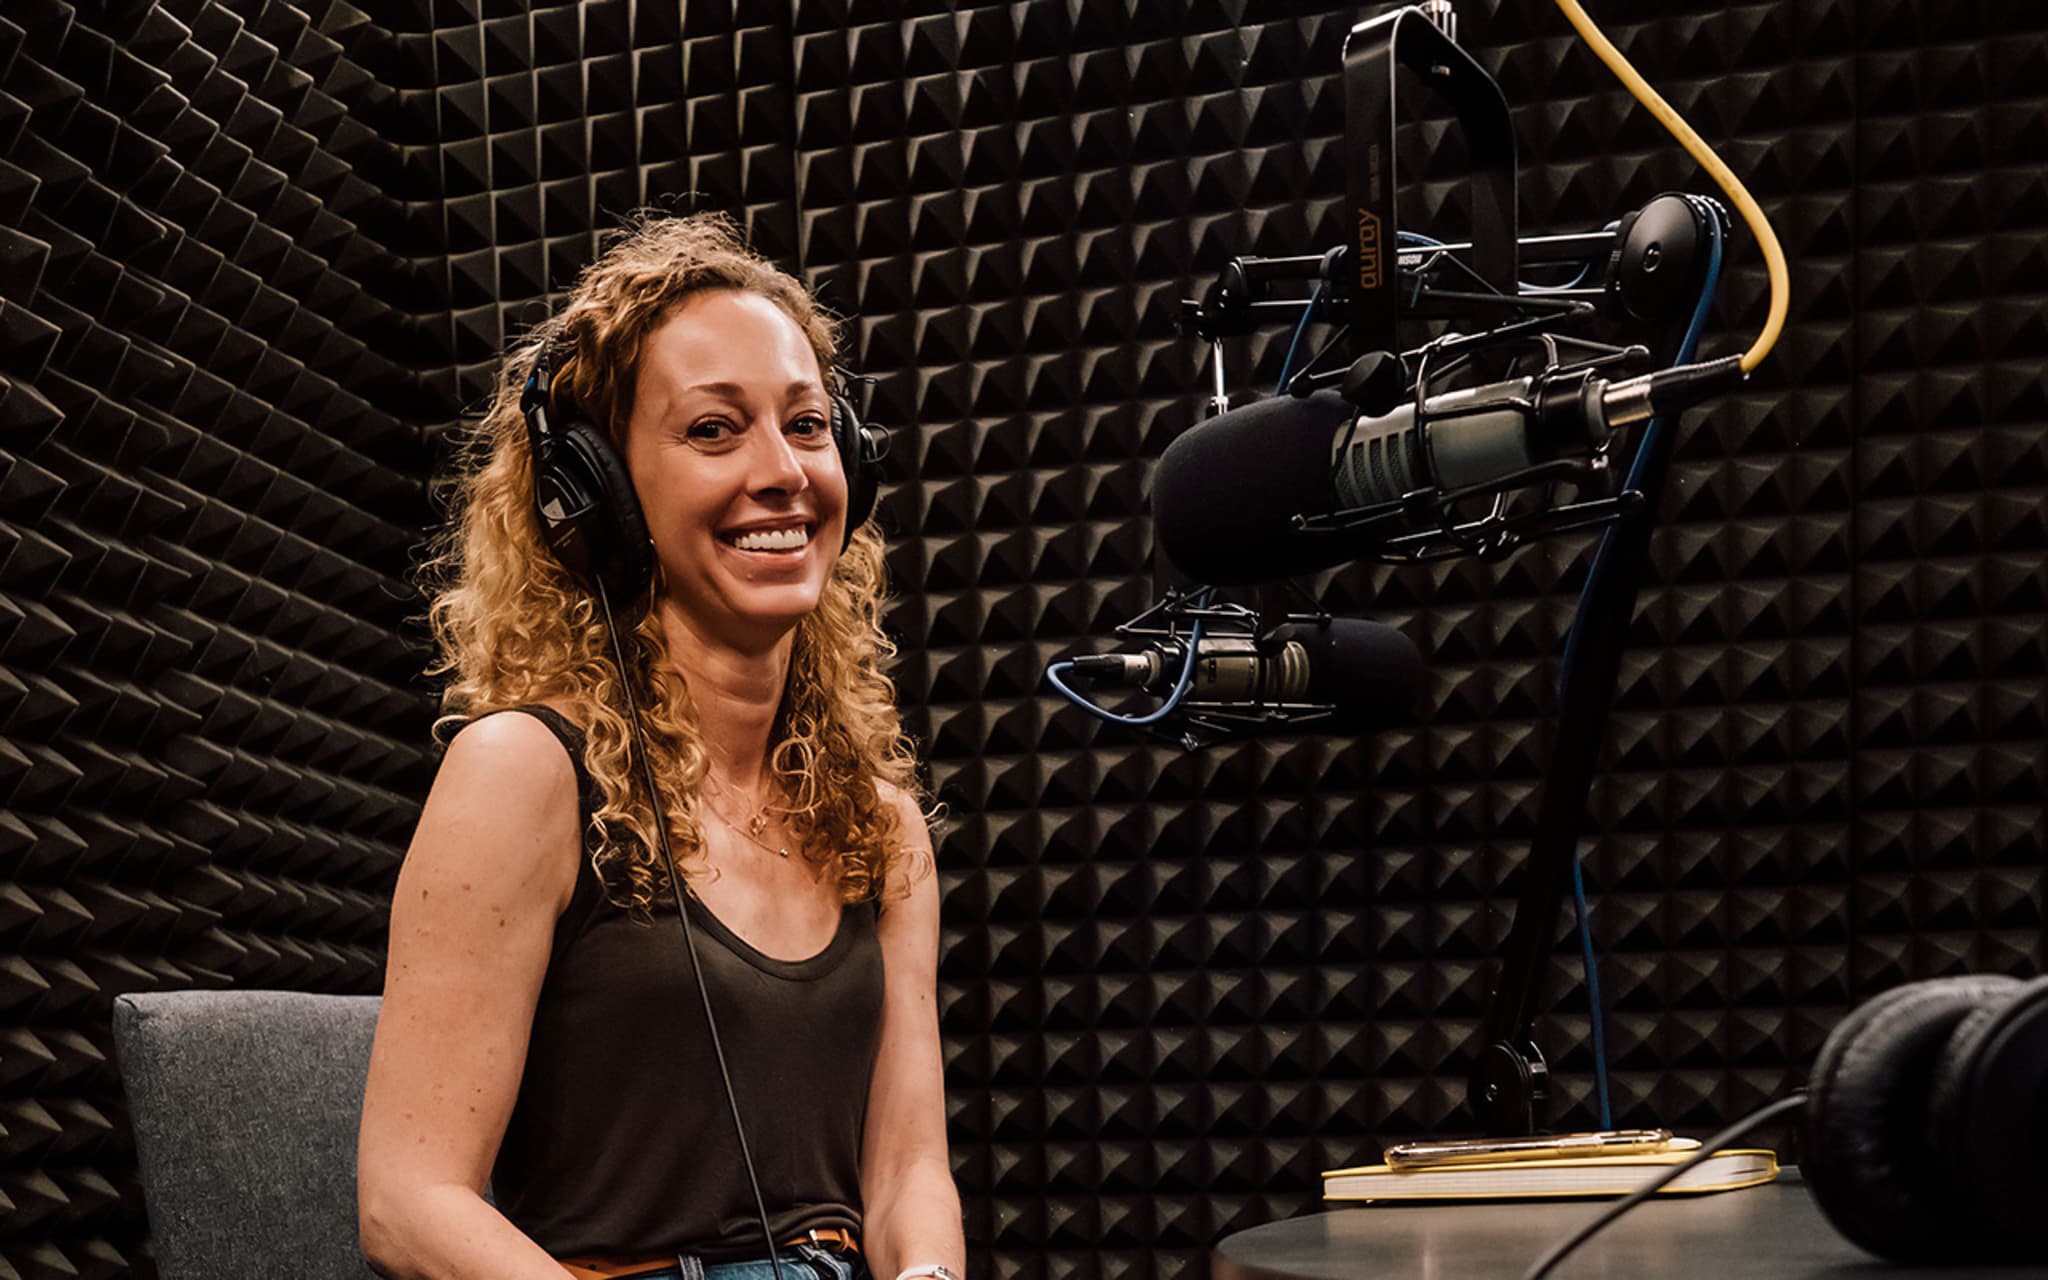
pixel 1368 673
pixel 1227 492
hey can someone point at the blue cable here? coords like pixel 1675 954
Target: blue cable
pixel 1592 968
pixel 1288 364
pixel 1654 429
pixel 1173 700
pixel 1644 451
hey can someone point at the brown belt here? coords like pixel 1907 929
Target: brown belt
pixel 611 1268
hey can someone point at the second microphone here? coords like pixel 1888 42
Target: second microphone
pixel 1367 673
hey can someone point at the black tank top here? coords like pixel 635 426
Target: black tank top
pixel 621 1142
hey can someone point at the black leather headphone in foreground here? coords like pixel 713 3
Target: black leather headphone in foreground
pixel 1925 1137
pixel 583 495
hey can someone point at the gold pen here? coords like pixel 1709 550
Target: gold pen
pixel 1546 1146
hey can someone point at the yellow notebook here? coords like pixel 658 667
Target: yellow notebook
pixel 1580 1176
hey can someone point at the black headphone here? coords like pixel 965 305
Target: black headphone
pixel 584 499
pixel 1925 1118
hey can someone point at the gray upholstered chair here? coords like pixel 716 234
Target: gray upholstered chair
pixel 245 1106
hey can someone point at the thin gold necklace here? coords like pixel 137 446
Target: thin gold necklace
pixel 759 825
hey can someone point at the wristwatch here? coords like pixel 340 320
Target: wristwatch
pixel 937 1271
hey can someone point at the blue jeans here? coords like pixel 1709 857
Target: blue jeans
pixel 799 1262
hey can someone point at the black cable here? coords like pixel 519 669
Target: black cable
pixel 1548 1262
pixel 675 884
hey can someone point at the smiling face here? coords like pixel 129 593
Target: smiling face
pixel 730 447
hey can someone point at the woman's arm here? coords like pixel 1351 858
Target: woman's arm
pixel 491 868
pixel 912 1208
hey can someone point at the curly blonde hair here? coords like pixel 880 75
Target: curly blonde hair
pixel 511 626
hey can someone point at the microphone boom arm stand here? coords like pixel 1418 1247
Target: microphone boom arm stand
pixel 1365 286
pixel 1509 1086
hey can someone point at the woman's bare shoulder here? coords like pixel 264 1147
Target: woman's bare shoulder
pixel 506 793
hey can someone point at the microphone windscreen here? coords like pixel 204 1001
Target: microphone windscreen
pixel 1226 491
pixel 1370 672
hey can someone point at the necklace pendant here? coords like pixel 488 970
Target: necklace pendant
pixel 757 824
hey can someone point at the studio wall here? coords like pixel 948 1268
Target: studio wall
pixel 256 261
pixel 211 289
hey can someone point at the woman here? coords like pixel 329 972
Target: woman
pixel 542 1033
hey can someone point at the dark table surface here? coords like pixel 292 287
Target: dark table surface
pixel 1772 1232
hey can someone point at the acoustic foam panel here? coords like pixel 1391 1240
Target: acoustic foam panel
pixel 210 478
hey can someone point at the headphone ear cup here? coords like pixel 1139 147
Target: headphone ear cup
pixel 1988 1113
pixel 605 534
pixel 858 457
pixel 1864 1135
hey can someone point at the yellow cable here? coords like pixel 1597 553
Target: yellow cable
pixel 1759 226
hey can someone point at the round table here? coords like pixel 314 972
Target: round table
pixel 1772 1232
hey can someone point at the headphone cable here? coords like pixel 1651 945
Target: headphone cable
pixel 1708 1149
pixel 675 884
